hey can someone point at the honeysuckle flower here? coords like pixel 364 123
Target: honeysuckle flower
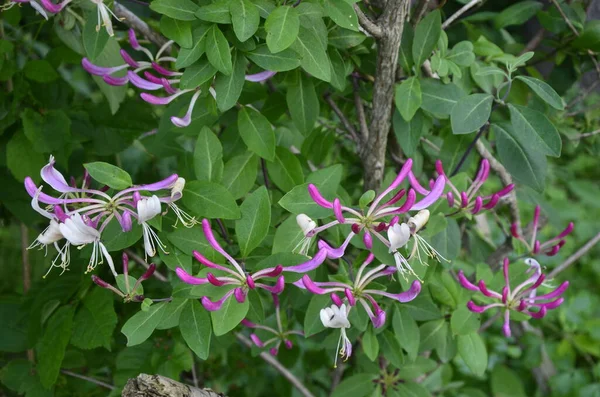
pixel 358 291
pixel 337 317
pixel 468 200
pixel 281 336
pixel 237 277
pixel 307 226
pixel 534 246
pixel 131 293
pixel 43 7
pixel 522 298
pixel 80 214
pixel 372 221
pixel 104 17
pixel 260 77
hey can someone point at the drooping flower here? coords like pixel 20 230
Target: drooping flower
pixel 522 298
pixel 534 246
pixel 337 317
pixel 374 220
pixel 280 336
pixel 104 17
pixel 358 291
pixel 80 214
pixel 468 200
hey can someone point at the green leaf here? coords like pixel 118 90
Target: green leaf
pixel 197 74
pixel 240 173
pixel 109 175
pixel 256 312
pixel 210 200
pixel 281 62
pixel 229 88
pixel 370 344
pixel 427 34
pixel 217 12
pixel 422 308
pixel 439 98
pixel 464 321
pixel 391 349
pixel 447 242
pixel 408 97
pixel 256 132
pixel 544 91
pixel 229 315
pixel 93 40
pixel 141 325
pixel 182 10
pixel 409 389
pixel 245 18
pixel 343 38
pixel 178 31
pixel 590 38
pixel 471 113
pixel 47 133
pixel 95 321
pixel 405 57
pixel 312 318
pixel 285 170
pixel 21 158
pixel 313 54
pixel 282 28
pixel 53 344
pixel 115 239
pixel 517 14
pixel 287 236
pixel 338 70
pixel 252 227
pixel 40 71
pixel 432 334
pixel 189 239
pixel 506 383
pixel 408 133
pixel 208 156
pixel 194 324
pixel 473 352
pixel 534 129
pixel 407 332
pixel 461 54
pixel 173 310
pixel 526 165
pixel 356 385
pixel 343 14
pixel 217 51
pixel 303 103
pixel 188 56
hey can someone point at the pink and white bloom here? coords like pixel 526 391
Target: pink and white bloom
pixel 104 17
pixel 522 298
pixel 280 335
pixel 534 246
pixel 468 200
pixel 337 317
pixel 376 218
pixel 80 214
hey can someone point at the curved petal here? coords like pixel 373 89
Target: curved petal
pixel 312 264
pixel 188 278
pixel 433 196
pixel 402 297
pixel 214 306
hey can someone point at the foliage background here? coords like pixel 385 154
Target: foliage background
pixel 49 104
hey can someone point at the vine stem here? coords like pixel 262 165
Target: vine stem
pixel 138 259
pixel 461 11
pixel 89 379
pixel 573 258
pixel 279 367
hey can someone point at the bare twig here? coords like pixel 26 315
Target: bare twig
pixel 490 321
pixel 475 140
pixel 345 122
pixel 586 135
pixel 223 230
pixel 141 261
pixel 279 367
pixel 583 94
pixel 573 258
pixel 360 110
pixel 133 21
pixel 89 379
pixel 366 23
pixel 419 11
pixel 534 42
pixel 461 11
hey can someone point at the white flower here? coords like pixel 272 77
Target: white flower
pixel 182 216
pixel 337 317
pixel 50 235
pixel 418 221
pixel 147 209
pixel 399 234
pixel 79 234
pixel 307 226
pixel 104 19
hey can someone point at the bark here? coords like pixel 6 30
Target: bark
pixel 159 386
pixel 373 151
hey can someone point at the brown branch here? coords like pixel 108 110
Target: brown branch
pixel 159 386
pixel 89 379
pixel 575 257
pixel 138 259
pixel 419 11
pixel 360 110
pixel 534 42
pixel 345 122
pixel 586 135
pixel 278 366
pixel 365 22
pixel 373 152
pixel 461 11
pixel 133 21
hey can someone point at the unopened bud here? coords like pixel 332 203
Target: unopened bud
pixel 99 282
pixel 418 221
pixel 149 272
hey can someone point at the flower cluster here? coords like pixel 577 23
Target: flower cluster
pixel 534 246
pixel 168 80
pixel 79 215
pixel 521 299
pixel 469 199
pixel 280 336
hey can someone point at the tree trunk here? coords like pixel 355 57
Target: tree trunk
pixel 159 386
